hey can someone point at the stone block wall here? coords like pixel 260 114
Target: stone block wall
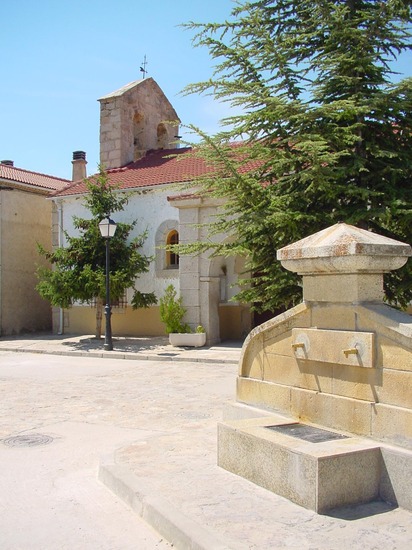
pixel 374 402
pixel 133 120
pixel 364 389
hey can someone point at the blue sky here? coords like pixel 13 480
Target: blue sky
pixel 57 57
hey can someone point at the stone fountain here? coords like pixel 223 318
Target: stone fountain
pixel 324 392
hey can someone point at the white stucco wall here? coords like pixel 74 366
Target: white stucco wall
pixel 204 283
pixel 152 210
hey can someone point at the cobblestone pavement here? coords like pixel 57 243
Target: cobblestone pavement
pixel 158 419
pixel 51 440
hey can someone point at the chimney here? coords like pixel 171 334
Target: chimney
pixel 79 165
pixel 7 162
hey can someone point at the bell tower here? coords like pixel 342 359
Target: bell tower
pixel 133 120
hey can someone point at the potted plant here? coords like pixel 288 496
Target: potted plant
pixel 171 314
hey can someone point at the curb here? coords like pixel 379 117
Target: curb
pixel 123 355
pixel 178 529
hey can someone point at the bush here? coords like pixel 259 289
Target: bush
pixel 172 312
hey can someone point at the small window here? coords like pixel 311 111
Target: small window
pixel 172 258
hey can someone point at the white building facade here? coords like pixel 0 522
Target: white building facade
pixel 138 144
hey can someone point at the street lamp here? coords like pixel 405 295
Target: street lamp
pixel 107 229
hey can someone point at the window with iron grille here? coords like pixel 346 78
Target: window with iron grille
pixel 120 303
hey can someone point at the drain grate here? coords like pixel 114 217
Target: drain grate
pixel 307 433
pixel 28 440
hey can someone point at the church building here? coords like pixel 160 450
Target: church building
pixel 139 148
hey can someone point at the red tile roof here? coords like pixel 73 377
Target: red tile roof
pixel 159 167
pixel 155 168
pixel 11 174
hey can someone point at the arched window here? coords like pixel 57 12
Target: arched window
pixel 172 258
pixel 162 137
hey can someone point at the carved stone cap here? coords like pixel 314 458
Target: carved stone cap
pixel 346 249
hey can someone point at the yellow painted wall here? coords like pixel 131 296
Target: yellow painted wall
pixel 139 322
pixel 146 322
pixel 25 220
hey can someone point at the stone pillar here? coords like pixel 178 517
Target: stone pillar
pixel 189 266
pixel 209 311
pixel 344 264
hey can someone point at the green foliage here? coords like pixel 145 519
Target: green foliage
pixel 172 312
pixel 78 269
pixel 325 133
pixel 200 329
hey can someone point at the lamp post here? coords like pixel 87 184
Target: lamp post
pixel 107 229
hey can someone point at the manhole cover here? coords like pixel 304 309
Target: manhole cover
pixel 307 433
pixel 28 440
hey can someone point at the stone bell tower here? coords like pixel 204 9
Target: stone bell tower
pixel 133 120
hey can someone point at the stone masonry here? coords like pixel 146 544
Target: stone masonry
pixel 341 360
pixel 133 120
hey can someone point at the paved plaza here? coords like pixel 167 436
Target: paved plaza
pixel 75 421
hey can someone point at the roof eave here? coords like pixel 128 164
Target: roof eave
pixel 21 184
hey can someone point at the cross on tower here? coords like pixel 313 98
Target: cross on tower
pixel 143 67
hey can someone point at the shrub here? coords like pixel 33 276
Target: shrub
pixel 172 312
